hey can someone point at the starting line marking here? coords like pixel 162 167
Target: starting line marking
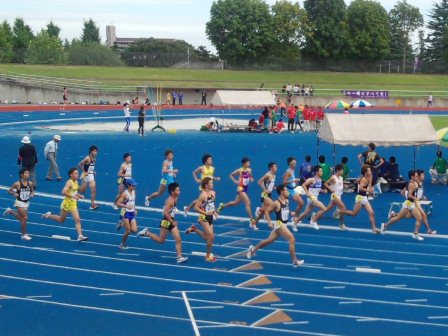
pixel 367 270
pixel 60 237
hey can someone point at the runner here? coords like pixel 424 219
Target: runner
pixel 205 206
pixel 244 178
pixel 124 173
pixel 168 223
pixel 70 203
pixel 313 187
pixel 290 180
pixel 88 176
pixel 267 184
pixel 279 228
pixel 206 170
pixel 126 202
pixel 22 190
pixel 168 175
pixel 336 185
pixel 364 189
pixel 420 196
pixel 408 207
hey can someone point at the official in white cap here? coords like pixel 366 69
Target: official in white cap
pixel 50 152
pixel 28 158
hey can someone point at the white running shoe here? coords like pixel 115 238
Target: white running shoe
pixel 186 210
pixel 298 263
pixel 314 225
pixel 337 213
pixel 383 228
pixel 142 233
pixel 82 238
pixel 123 247
pixel 250 252
pixel 114 206
pixel 25 237
pixel 294 226
pixel 147 201
pixel 180 260
pixel 119 225
pixel 46 215
pixel 343 227
pixel 257 212
pixel 7 212
pixel 416 236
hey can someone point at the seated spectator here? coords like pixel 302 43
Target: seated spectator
pixel 392 175
pixel 438 171
pixel 280 127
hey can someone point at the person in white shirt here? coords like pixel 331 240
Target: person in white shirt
pixel 429 101
pixel 127 116
pixel 50 152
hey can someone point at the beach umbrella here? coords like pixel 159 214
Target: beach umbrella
pixel 360 103
pixel 442 135
pixel 337 104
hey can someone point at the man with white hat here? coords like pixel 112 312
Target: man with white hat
pixel 28 158
pixel 50 152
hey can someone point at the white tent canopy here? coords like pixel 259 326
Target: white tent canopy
pixel 230 97
pixel 382 129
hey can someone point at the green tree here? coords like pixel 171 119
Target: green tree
pixel 92 54
pixel 6 36
pixel 328 36
pixel 436 42
pixel 53 30
pixel 240 30
pixel 45 49
pixel 369 30
pixel 22 36
pixel 404 20
pixel 90 32
pixel 289 28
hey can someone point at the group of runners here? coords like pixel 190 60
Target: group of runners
pixel 288 188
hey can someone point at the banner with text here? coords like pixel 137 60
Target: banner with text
pixel 366 94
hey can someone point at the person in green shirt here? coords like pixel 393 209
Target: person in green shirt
pixel 326 169
pixel 439 170
pixel 346 172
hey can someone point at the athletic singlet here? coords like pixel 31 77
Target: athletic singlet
pixel 89 167
pixel 73 190
pixel 244 178
pixel 207 172
pixel 420 191
pixel 130 200
pixel 362 193
pixel 24 192
pixel 291 183
pixel 168 176
pixel 315 188
pixel 269 184
pixel 283 214
pixel 171 212
pixel 414 193
pixel 338 188
pixel 209 204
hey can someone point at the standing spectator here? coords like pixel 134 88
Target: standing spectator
pixel 371 158
pixel 204 98
pixel 326 169
pixel 288 89
pixel 429 100
pixel 65 96
pixel 438 171
pixel 174 95
pixel 50 152
pixel 282 109
pixel 168 98
pixel 28 158
pixel 273 116
pixel 127 116
pixel 299 118
pixel 346 172
pixel 181 97
pixel 305 169
pixel 296 89
pixel 291 117
pixel 141 121
pixel 311 90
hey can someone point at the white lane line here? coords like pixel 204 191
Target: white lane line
pixel 416 300
pixel 396 286
pixel 296 322
pixel 111 294
pixel 350 302
pixel 128 254
pixel 437 317
pixel 334 287
pixel 208 307
pixel 282 304
pixel 38 296
pixel 315 265
pixel 218 326
pixel 84 251
pixel 195 291
pixel 408 268
pixel 190 313
pixel 367 320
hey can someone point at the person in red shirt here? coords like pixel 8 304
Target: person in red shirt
pixel 313 118
pixel 291 117
pixel 280 127
pixel 306 118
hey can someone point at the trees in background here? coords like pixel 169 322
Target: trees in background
pixel 45 49
pixel 436 48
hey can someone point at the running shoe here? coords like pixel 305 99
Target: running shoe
pixel 123 247
pixel 190 229
pixel 114 206
pixel 370 198
pixel 143 233
pixel 432 232
pixel 25 237
pixel 383 228
pixel 221 206
pixel 94 206
pixel 343 227
pixel 186 210
pixel 147 201
pixel 46 215
pixel 314 225
pixel 210 258
pixel 181 260
pixel 416 236
pixel 119 225
pixel 252 224
pixel 376 231
pixel 6 212
pixel 298 263
pixel 257 212
pixel 337 213
pixel 250 252
pixel 81 238
pixel 294 226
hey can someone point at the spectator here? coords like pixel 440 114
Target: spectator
pixel 50 152
pixel 282 109
pixel 28 158
pixel 273 116
pixel 392 175
pixel 181 98
pixel 305 169
pixel 371 158
pixel 288 89
pixel 141 121
pixel 168 98
pixel 346 172
pixel 204 98
pixel 127 116
pixel 174 95
pixel 438 171
pixel 291 117
pixel 311 90
pixel 296 89
pixel 299 118
pixel 326 169
pixel 429 100
pixel 280 127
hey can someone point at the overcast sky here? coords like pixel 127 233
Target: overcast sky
pixel 180 19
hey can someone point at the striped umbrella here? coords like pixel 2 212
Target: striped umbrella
pixel 360 103
pixel 442 135
pixel 337 104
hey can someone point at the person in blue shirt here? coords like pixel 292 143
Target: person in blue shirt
pixel 305 169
